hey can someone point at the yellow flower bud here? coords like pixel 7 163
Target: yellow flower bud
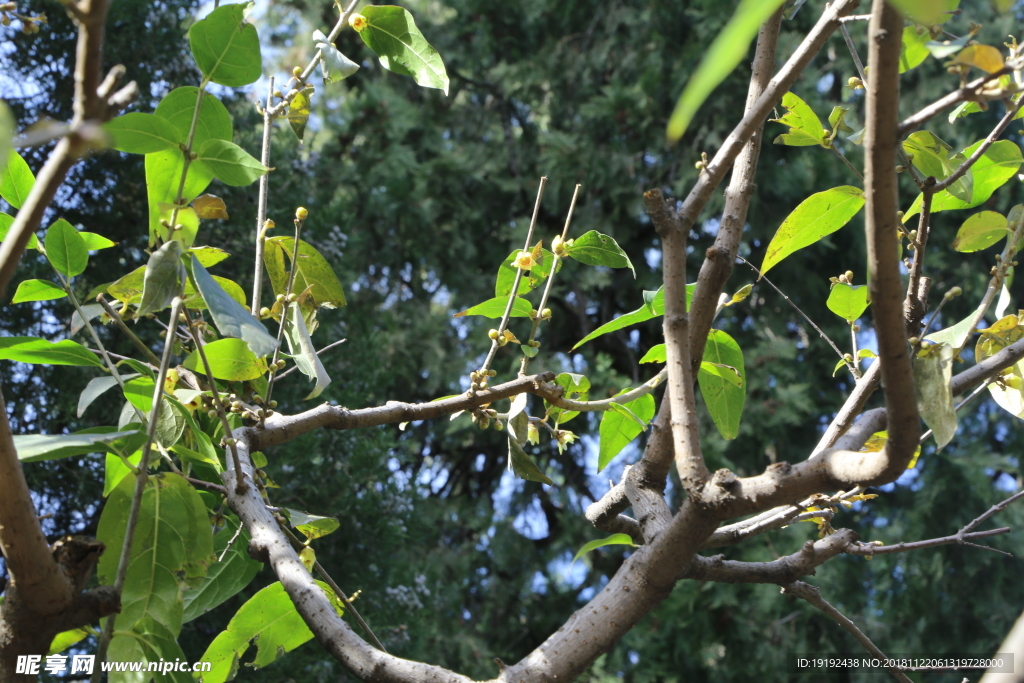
pixel 358 22
pixel 524 260
pixel 301 213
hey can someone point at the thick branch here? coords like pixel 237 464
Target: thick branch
pixel 719 259
pixel 783 570
pixel 881 225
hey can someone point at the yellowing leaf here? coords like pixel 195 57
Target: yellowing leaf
pixel 210 206
pixel 984 57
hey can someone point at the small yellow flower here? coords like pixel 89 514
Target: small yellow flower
pixel 524 260
pixel 558 246
pixel 565 437
pixel 358 22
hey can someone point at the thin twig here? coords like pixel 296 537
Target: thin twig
pixel 849 164
pixel 116 317
pixel 798 310
pixel 286 305
pixel 1011 112
pixel 323 350
pixel 308 71
pixel 495 343
pixel 853 51
pixel 261 206
pixel 297 544
pixel 218 403
pixel 551 278
pixel 141 479
pixel 812 595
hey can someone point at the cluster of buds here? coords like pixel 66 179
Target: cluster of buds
pixel 483 417
pixel 854 83
pixel 478 379
pixel 504 337
pixel 844 278
pixel 543 315
pixel 953 293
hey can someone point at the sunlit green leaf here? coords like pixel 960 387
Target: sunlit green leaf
pixel 314 272
pixel 996 166
pixel 614 539
pixel 300 346
pixel 618 429
pixel 913 49
pixel 39 447
pixel 225 577
pixel 226 47
pixel 65 249
pixel 495 308
pixel 391 32
pixel 333 64
pixel 848 301
pixel 926 12
pixel 16 180
pixel 37 290
pixel 981 231
pixel 164 279
pixel 6 221
pixel 723 398
pixel 230 317
pixel 138 133
pixel 312 526
pixel 230 163
pixel 42 352
pixel 819 215
pixel 230 359
pixel 805 128
pixel 596 249
pixel 654 305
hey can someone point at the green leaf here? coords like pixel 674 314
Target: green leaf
pixel 805 128
pixel 138 133
pixel 298 111
pixel 940 49
pixel 848 301
pixel 996 166
pixel 139 392
pixel 819 215
pixel 163 169
pixel 574 387
pixel 523 466
pixel 981 231
pixel 933 369
pixel 208 256
pixel 66 639
pixel 226 47
pixel 16 180
pixel 115 470
pixel 955 335
pixel 311 526
pixel 861 355
pixel 226 577
pixel 42 352
pixel 614 539
pixel 392 34
pixel 837 119
pixel 150 644
pixel 164 279
pixel 194 300
pixel 495 308
pixel 269 618
pixel 932 157
pixel 656 354
pixel 7 130
pixel 531 278
pixel 230 359
pixel 94 242
pixel 96 387
pixel 37 290
pixel 618 429
pixel 178 107
pixel 333 64
pixel 724 55
pixel 654 305
pixel 596 249
pixel 722 397
pixel 914 48
pixel 6 221
pixel 40 447
pixel 926 12
pixel 65 249
pixel 726 372
pixel 232 320
pixel 314 272
pixel 300 346
pixel 172 549
pixel 230 163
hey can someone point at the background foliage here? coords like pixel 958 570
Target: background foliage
pixel 415 198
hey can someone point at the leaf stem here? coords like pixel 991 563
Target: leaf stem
pixel 261 207
pixel 187 152
pixel 218 403
pixel 515 285
pixel 551 278
pixel 285 307
pixel 116 317
pixel 142 477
